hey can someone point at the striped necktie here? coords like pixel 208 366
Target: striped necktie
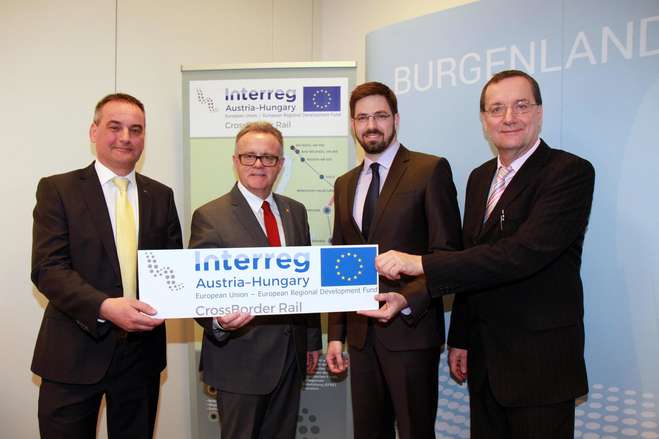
pixel 498 186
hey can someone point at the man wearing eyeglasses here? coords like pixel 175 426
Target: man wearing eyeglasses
pixel 257 364
pixel 403 200
pixel 516 333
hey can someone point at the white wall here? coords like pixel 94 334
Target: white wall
pixel 58 59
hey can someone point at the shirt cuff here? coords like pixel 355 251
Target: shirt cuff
pixel 217 326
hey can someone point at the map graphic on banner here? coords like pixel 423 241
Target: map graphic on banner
pixel 311 113
pixel 597 63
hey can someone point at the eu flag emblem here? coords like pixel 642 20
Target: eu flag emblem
pixel 344 266
pixel 322 98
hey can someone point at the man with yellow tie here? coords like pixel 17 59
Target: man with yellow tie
pixel 96 337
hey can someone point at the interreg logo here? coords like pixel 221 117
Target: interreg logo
pixel 165 273
pixel 206 100
pixel 226 261
pixel 248 95
pixel 322 98
pixel 342 266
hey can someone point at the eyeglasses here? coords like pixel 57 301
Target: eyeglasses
pixel 362 119
pixel 250 159
pixel 519 107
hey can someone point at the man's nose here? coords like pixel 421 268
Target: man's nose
pixel 508 115
pixel 124 135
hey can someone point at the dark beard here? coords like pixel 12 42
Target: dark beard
pixel 377 147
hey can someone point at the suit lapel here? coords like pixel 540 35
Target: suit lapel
pixel 286 220
pixel 526 174
pixel 482 191
pixel 98 212
pixel 398 168
pixel 244 215
pixel 349 202
pixel 145 207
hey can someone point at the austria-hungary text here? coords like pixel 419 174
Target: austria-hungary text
pixel 257 282
pixel 279 108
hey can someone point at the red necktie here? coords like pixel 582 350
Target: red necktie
pixel 271 228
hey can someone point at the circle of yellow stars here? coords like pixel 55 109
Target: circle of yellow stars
pixel 359 263
pixel 327 94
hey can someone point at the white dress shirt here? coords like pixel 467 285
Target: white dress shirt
pixel 111 192
pixel 515 165
pixel 384 159
pixel 256 204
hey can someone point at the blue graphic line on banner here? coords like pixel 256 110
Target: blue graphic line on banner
pixel 347 266
pixel 322 98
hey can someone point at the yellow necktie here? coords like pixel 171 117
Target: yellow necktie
pixel 126 239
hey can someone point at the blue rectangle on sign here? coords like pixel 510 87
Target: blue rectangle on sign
pixel 322 98
pixel 346 266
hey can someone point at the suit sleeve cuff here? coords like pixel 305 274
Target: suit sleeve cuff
pixel 218 331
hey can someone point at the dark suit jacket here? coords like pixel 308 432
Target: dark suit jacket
pixel 417 212
pixel 75 265
pixel 251 359
pixel 519 307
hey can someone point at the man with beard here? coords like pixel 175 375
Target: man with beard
pixel 393 361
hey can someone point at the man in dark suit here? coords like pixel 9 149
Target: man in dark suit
pixel 257 364
pixel 96 337
pixel 517 325
pixel 404 200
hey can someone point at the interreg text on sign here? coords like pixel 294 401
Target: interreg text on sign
pixel 259 280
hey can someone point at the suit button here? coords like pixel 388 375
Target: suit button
pixel 287 332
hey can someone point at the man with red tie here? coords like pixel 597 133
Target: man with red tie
pixel 257 364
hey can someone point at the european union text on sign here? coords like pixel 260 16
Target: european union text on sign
pixel 322 98
pixel 344 266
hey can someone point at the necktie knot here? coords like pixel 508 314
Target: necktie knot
pixel 121 183
pixel 503 172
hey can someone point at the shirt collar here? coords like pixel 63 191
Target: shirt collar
pixel 385 158
pixel 255 202
pixel 519 161
pixel 106 175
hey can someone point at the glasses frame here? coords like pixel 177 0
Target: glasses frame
pixel 245 159
pixel 379 117
pixel 519 107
